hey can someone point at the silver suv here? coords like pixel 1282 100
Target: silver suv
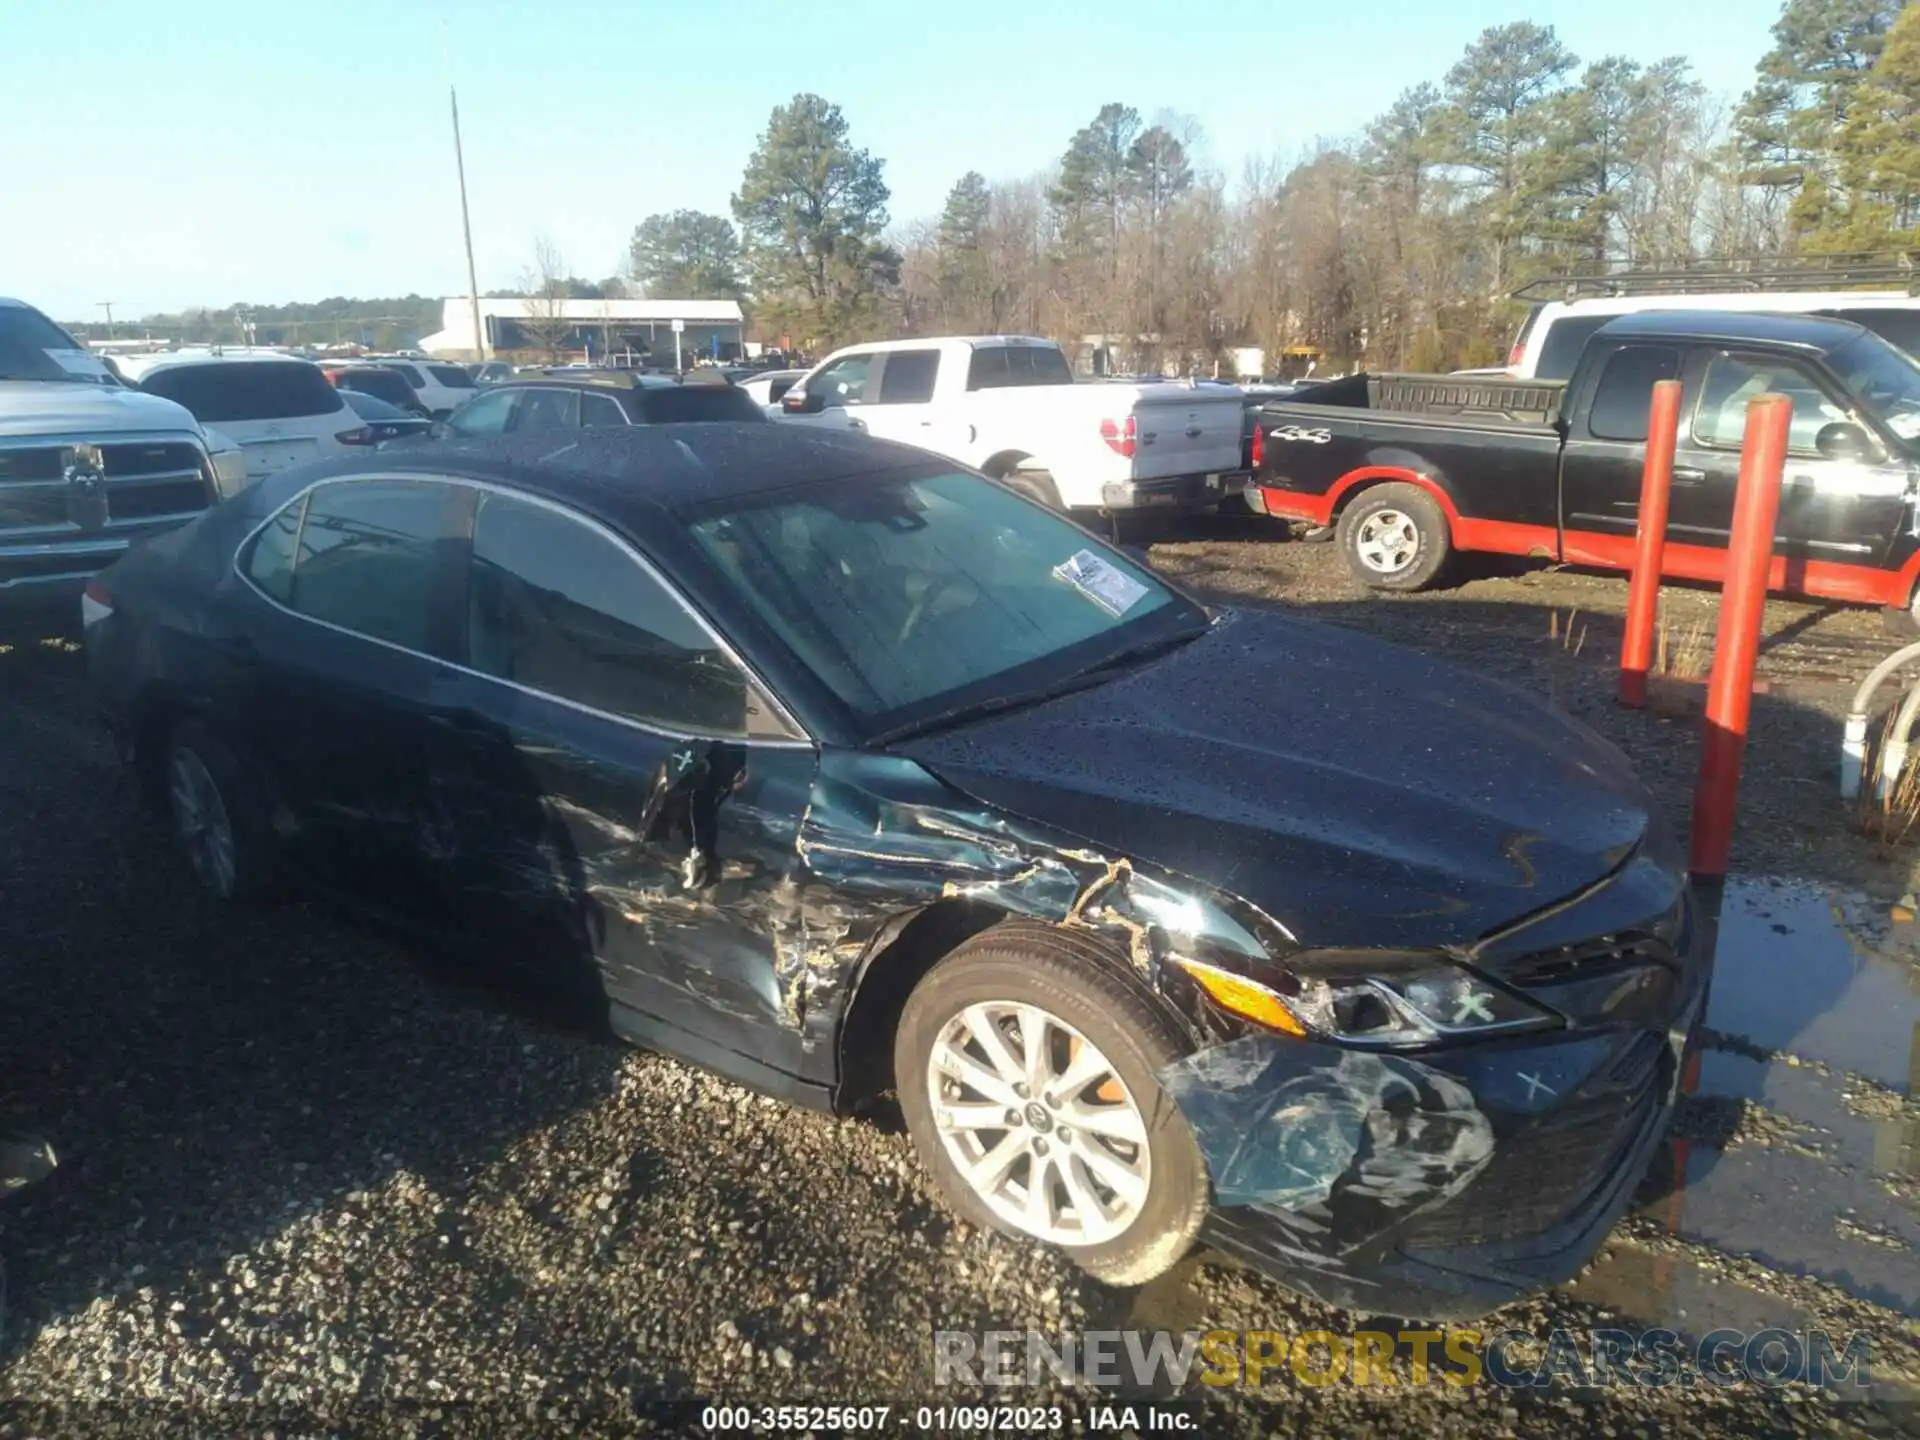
pixel 87 467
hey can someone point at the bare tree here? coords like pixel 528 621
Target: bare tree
pixel 545 286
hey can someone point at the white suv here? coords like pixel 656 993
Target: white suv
pixel 280 409
pixel 441 385
pixel 1551 339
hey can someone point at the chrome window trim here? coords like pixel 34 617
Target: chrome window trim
pixel 799 740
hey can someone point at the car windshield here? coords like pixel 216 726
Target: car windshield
pixel 32 347
pixel 912 598
pixel 237 391
pixel 1887 381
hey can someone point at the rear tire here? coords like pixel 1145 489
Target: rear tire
pixel 1125 1186
pixel 1038 486
pixel 218 815
pixel 1395 537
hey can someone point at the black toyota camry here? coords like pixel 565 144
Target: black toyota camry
pixel 846 773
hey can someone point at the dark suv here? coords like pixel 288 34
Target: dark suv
pixel 605 399
pixel 379 381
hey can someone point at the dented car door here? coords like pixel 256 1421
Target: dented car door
pixel 626 821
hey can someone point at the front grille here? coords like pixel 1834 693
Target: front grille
pixel 124 462
pixel 1588 959
pixel 143 502
pixel 32 506
pixel 1548 1171
pixel 31 464
pixel 146 480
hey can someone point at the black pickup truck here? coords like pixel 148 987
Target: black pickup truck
pixel 1416 468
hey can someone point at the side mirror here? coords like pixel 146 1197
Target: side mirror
pixel 1843 440
pixel 804 404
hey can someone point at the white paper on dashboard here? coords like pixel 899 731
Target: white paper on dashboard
pixel 1112 590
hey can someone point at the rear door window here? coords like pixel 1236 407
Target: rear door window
pixel 995 367
pixel 243 390
pixel 541 410
pixel 487 415
pixel 1623 399
pixel 363 555
pixel 600 411
pixel 451 376
pixel 907 378
pixel 407 373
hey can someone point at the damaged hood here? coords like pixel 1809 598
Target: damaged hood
pixel 1358 792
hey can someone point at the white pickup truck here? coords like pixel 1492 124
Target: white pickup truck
pixel 1008 405
pixel 88 466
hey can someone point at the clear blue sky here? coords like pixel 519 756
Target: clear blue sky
pixel 208 151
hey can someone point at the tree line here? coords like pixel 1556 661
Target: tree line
pixel 1397 247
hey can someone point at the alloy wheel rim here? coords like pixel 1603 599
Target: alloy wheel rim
pixel 1387 542
pixel 1039 1123
pixel 200 817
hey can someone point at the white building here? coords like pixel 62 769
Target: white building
pixel 589 328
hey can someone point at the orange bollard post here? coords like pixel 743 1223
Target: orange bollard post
pixel 1736 650
pixel 1649 544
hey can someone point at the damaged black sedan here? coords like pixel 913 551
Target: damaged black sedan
pixel 846 774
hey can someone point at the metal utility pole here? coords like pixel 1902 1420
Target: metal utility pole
pixel 107 305
pixel 466 227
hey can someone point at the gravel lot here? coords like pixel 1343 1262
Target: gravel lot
pixel 310 1172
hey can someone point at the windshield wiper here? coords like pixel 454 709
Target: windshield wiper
pixel 1081 679
pixel 994 705
pixel 1141 652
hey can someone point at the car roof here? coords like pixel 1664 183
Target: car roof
pixel 887 346
pixel 173 359
pixel 1811 332
pixel 612 380
pixel 626 475
pixel 1788 302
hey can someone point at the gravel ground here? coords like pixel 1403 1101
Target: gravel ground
pixel 311 1173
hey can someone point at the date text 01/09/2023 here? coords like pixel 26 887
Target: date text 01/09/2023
pixel 939 1419
pixel 914 1419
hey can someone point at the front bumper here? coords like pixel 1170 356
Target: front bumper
pixel 1443 1185
pixel 1176 492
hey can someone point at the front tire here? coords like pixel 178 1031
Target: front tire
pixel 1025 1068
pixel 217 815
pixel 1395 537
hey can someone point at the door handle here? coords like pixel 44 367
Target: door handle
pixel 1687 475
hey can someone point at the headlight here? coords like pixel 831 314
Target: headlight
pixel 1374 999
pixel 1250 965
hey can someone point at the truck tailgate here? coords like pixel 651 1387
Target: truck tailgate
pixel 1186 432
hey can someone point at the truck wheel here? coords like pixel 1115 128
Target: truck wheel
pixel 1395 538
pixel 1025 1069
pixel 1037 486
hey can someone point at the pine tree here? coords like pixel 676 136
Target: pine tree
pixel 811 209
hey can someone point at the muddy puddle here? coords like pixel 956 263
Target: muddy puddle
pixel 1799 1146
